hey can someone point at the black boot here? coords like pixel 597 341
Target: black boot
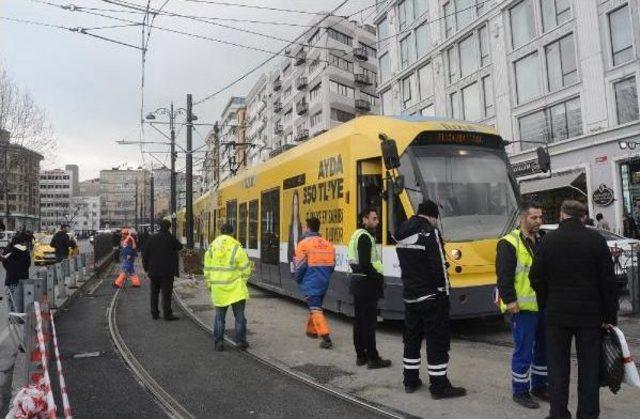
pixel 412 388
pixel 525 400
pixel 378 363
pixel 446 391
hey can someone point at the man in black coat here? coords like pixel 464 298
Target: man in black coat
pixel 61 242
pixel 573 276
pixel 160 262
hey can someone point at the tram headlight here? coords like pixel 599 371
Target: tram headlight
pixel 456 254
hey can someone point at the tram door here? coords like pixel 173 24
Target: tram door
pixel 270 237
pixel 370 188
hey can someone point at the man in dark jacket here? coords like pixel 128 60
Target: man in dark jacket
pixel 367 286
pixel 573 276
pixel 61 242
pixel 160 262
pixel 16 260
pixel 426 301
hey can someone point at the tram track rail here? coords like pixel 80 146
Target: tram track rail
pixel 380 410
pixel 170 405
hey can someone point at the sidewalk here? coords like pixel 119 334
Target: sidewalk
pixel 276 331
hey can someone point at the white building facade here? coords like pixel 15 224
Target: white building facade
pixel 55 198
pixel 557 72
pixel 85 214
pixel 329 78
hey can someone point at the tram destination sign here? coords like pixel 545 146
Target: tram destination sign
pixel 458 138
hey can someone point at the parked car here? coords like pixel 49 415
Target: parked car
pixel 621 248
pixel 43 253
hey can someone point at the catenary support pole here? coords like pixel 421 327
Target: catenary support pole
pixel 189 176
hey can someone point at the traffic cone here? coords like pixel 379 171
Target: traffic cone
pixel 311 328
pixel 120 280
pixel 135 280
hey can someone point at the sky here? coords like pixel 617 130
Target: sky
pixel 91 89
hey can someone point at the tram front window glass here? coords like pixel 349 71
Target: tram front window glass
pixel 253 224
pixel 242 225
pixel 471 185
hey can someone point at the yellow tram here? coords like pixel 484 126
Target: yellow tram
pixel 333 176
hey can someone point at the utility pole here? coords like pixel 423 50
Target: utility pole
pixel 136 203
pixel 173 171
pixel 189 175
pixel 152 205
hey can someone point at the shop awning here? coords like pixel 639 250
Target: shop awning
pixel 554 182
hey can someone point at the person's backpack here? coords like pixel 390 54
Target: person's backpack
pixel 611 361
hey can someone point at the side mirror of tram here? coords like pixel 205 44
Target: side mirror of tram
pixel 544 160
pixel 389 152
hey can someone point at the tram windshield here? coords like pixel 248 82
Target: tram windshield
pixel 471 184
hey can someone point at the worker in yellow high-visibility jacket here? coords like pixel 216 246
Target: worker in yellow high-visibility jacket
pixel 227 269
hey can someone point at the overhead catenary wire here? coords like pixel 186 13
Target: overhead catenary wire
pixel 251 6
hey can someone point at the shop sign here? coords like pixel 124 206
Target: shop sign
pixel 527 167
pixel 603 196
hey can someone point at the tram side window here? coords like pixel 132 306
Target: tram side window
pixel 232 216
pixel 242 224
pixel 253 224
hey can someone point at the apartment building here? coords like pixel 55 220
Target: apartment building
pixel 55 198
pixel 556 72
pixel 19 190
pixel 124 197
pixel 85 214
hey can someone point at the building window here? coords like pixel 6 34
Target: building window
pixel 373 100
pixel 465 12
pixel 452 60
pixel 561 63
pixel 527 78
pixel 316 118
pixel 407 51
pixel 428 111
pixel 384 67
pixel 371 51
pixel 455 105
pixel 422 39
pixel 406 92
pixel 341 89
pixel 459 13
pixel 383 29
pixel 522 23
pixel 341 116
pixel 425 80
pixel 341 63
pixel 339 36
pixel 449 19
pixel 405 13
pixel 621 35
pixel 387 102
pixel 471 107
pixel 468 55
pixel 487 93
pixel 552 124
pixel 315 91
pixel 554 13
pixel 626 95
pixel 483 35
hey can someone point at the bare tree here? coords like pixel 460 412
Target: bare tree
pixel 26 122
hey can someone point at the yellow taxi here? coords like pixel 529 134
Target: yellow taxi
pixel 43 253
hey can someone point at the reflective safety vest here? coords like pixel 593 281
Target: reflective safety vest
pixel 352 251
pixel 227 269
pixel 525 294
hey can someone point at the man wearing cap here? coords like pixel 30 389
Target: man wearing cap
pixel 426 301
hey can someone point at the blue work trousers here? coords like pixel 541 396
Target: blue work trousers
pixel 241 322
pixel 529 361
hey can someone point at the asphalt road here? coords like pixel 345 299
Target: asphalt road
pixel 180 357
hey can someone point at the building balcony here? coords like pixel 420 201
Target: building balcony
pixel 363 105
pixel 301 57
pixel 277 85
pixel 302 107
pixel 363 79
pixel 360 54
pixel 277 106
pixel 302 134
pixel 301 83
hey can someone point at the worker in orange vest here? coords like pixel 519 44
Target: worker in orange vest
pixel 315 262
pixel 128 254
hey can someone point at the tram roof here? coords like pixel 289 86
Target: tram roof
pixel 403 129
